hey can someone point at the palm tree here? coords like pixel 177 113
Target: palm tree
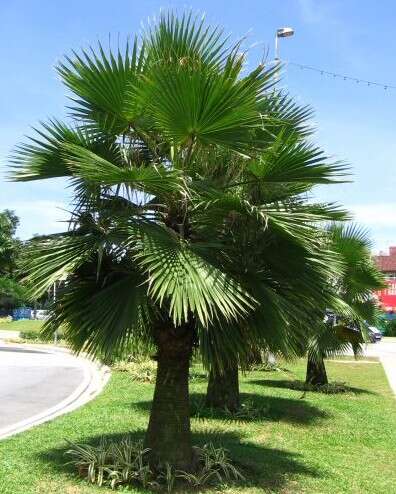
pixel 345 325
pixel 167 138
pixel 287 287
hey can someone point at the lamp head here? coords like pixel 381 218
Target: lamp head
pixel 284 32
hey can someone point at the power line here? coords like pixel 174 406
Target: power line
pixel 344 77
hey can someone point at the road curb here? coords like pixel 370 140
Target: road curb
pixel 95 378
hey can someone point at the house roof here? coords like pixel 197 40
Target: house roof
pixel 386 262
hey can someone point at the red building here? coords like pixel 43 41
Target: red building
pixel 387 264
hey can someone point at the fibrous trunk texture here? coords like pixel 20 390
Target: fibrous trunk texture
pixel 316 372
pixel 223 388
pixel 169 435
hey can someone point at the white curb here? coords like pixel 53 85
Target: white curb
pixel 95 378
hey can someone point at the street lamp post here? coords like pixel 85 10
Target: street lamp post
pixel 282 32
pixel 54 300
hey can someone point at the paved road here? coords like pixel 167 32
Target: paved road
pixel 31 382
pixel 386 351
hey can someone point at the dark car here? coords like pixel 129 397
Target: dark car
pixel 374 334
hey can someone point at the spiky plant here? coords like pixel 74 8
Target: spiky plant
pixel 183 225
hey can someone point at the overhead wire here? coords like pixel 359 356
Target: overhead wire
pixel 343 77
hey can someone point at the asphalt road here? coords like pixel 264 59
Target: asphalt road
pixel 32 382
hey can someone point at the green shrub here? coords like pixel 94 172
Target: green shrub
pixel 145 370
pixel 329 388
pixel 247 411
pixel 390 328
pixel 30 335
pixel 36 336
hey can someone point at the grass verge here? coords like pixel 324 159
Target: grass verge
pixel 303 442
pixel 23 325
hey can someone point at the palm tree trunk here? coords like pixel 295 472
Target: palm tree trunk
pixel 223 388
pixel 169 435
pixel 316 372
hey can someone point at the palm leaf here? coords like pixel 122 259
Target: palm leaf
pixel 188 38
pixel 93 168
pixel 53 258
pixel 44 157
pixel 101 317
pixel 102 83
pixel 290 160
pixel 181 279
pixel 201 105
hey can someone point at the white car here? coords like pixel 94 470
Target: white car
pixel 40 314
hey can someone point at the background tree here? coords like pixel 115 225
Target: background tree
pixel 12 292
pixel 165 135
pixel 9 245
pixel 285 173
pixel 346 325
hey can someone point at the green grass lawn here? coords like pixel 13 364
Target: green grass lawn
pixel 22 325
pixel 313 443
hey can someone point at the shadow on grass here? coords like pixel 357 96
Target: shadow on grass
pixel 264 468
pixel 268 408
pixel 296 385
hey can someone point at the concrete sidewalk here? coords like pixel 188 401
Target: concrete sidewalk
pixel 386 352
pixel 8 335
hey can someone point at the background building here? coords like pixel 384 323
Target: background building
pixel 387 264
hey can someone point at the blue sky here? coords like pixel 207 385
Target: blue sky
pixel 356 123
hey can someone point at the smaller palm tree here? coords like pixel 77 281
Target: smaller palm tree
pixel 345 324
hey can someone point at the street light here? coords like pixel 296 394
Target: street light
pixel 282 32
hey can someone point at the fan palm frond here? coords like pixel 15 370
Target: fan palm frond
pixel 188 38
pixel 102 317
pixel 102 84
pixel 43 157
pixel 179 275
pixel 156 179
pixel 290 160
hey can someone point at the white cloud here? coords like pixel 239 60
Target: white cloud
pixel 310 11
pixel 380 220
pixel 376 215
pixel 40 216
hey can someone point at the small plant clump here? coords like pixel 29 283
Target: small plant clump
pixel 247 411
pixel 144 370
pixel 140 370
pixel 36 336
pixel 126 462
pixel 329 388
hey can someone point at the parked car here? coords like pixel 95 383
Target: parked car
pixel 40 314
pixel 374 334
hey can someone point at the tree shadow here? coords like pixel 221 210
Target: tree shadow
pixel 263 467
pixel 255 408
pixel 297 385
